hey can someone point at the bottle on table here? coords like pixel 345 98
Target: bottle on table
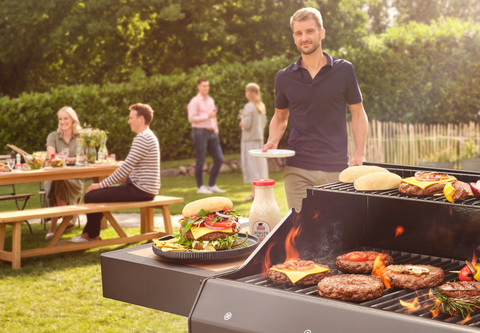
pixel 264 213
pixel 102 152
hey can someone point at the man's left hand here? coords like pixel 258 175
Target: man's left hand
pixel 356 161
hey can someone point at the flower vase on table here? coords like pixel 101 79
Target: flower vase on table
pixel 91 154
pixel 92 137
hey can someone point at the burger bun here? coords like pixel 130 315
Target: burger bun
pixel 210 204
pixel 378 181
pixel 351 174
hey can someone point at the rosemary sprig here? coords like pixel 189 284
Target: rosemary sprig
pixel 464 305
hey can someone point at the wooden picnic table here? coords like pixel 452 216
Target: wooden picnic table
pixel 96 172
pixel 16 218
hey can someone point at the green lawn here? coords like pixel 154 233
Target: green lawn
pixel 63 292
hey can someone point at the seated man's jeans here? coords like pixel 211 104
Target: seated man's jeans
pixel 207 141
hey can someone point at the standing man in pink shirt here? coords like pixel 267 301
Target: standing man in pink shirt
pixel 202 114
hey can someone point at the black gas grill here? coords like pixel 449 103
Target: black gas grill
pixel 334 219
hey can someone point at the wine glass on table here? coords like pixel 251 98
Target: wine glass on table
pixel 11 163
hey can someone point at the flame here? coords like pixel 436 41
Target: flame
pixel 267 263
pixel 474 259
pixel 316 215
pixel 379 270
pixel 399 230
pixel 435 311
pixel 411 306
pixel 290 250
pixel 465 320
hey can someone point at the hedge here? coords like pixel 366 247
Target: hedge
pixel 417 73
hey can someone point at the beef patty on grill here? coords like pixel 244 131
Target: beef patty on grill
pixel 461 288
pixel 309 280
pixel 361 267
pixel 412 277
pixel 351 287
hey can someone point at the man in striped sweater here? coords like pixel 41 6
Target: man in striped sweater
pixel 139 173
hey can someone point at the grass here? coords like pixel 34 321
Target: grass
pixel 63 292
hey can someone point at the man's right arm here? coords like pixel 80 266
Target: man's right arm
pixel 278 125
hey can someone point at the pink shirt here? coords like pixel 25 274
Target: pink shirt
pixel 198 110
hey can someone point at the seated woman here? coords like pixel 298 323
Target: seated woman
pixel 139 173
pixel 68 191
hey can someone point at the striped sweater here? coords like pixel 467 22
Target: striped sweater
pixel 142 164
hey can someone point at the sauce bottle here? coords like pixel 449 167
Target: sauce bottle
pixel 264 213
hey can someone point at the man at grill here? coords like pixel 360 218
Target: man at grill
pixel 314 93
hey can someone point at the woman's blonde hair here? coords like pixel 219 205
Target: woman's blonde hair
pixel 76 123
pixel 255 97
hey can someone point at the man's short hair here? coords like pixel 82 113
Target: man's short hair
pixel 202 79
pixel 305 14
pixel 143 110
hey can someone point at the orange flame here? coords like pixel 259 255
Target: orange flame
pixel 411 306
pixel 435 310
pixel 465 320
pixel 399 230
pixel 267 263
pixel 379 270
pixel 474 259
pixel 290 249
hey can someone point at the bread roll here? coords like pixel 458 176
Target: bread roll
pixel 210 204
pixel 351 174
pixel 377 181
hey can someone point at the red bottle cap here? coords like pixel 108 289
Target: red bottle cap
pixel 264 182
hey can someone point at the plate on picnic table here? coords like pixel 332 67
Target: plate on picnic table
pixel 251 243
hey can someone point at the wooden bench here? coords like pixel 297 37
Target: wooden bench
pixel 12 195
pixel 147 232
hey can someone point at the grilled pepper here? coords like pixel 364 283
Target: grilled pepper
pixel 465 273
pixel 449 191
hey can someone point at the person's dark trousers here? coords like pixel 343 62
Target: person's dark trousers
pixel 207 141
pixel 118 193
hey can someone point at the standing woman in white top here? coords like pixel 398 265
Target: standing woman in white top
pixel 253 122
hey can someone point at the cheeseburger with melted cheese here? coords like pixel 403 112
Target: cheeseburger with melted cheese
pixel 208 222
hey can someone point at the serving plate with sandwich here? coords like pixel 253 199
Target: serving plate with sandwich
pixel 209 230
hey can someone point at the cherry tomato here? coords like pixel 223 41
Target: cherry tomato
pixel 356 256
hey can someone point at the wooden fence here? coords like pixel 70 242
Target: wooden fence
pixel 398 143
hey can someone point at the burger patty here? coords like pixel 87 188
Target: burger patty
pixel 461 288
pixel 351 287
pixel 434 277
pixel 309 280
pixel 360 267
pixel 208 237
pixel 415 190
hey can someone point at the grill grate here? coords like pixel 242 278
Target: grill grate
pixel 348 188
pixel 390 299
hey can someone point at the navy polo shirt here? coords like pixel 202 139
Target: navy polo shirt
pixel 318 112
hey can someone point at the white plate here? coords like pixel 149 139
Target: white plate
pixel 272 153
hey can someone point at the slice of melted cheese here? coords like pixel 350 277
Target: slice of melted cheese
pixel 201 231
pixel 424 184
pixel 295 275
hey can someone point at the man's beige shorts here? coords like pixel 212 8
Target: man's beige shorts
pixel 298 180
